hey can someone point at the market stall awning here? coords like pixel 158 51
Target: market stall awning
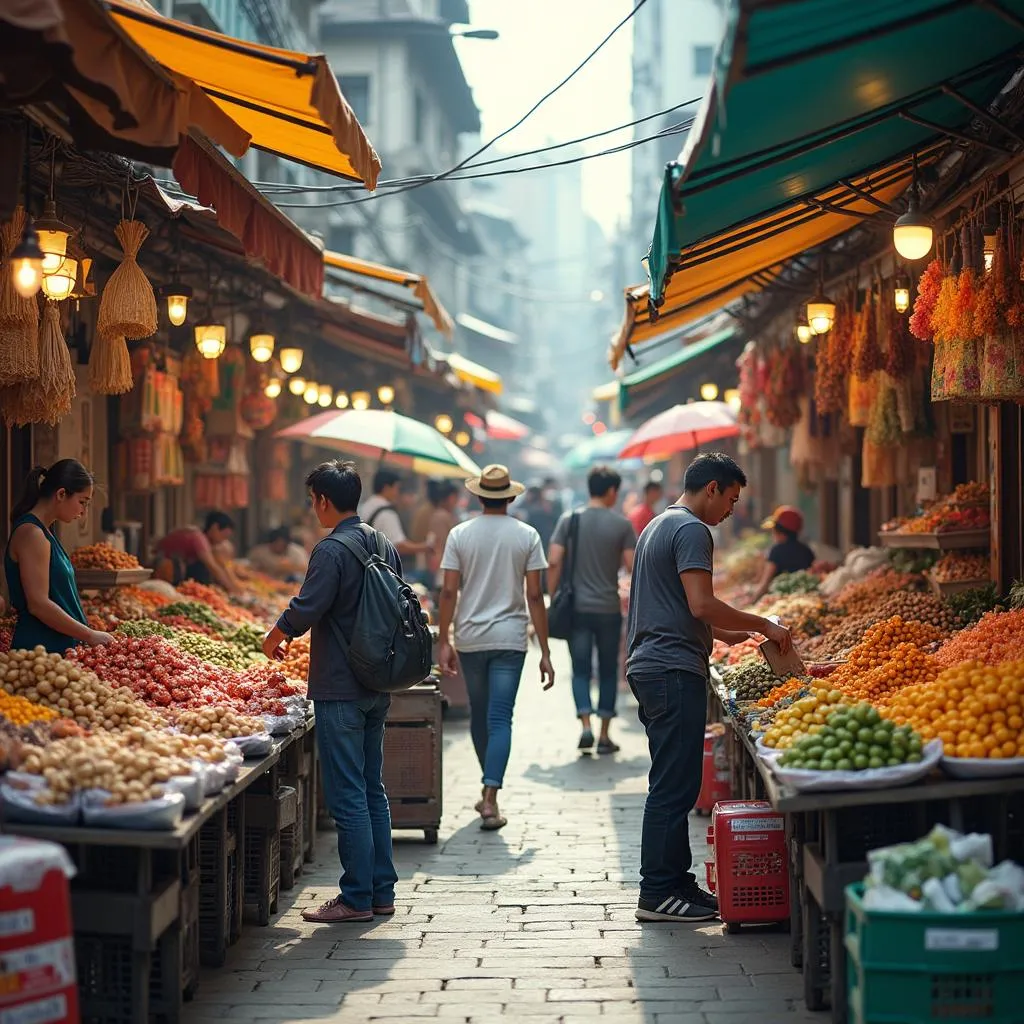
pixel 416 283
pixel 472 373
pixel 116 96
pixel 484 329
pixel 289 103
pixel 807 94
pixel 747 257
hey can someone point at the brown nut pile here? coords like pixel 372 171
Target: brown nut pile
pixel 73 691
pixel 222 722
pixel 919 607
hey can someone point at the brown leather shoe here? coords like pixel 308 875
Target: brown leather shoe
pixel 336 912
pixel 384 911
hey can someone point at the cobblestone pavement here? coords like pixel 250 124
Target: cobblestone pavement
pixel 533 923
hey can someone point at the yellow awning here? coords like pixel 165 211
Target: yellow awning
pixel 473 373
pixel 746 257
pixel 416 283
pixel 606 392
pixel 288 102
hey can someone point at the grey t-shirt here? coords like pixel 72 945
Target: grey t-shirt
pixel 603 536
pixel 661 631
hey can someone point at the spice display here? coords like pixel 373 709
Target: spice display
pixel 195 611
pixel 103 556
pixel 996 637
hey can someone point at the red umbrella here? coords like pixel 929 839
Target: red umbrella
pixel 681 429
pixel 504 428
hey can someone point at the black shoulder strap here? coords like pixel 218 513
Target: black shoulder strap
pixel 571 541
pixel 383 508
pixel 360 550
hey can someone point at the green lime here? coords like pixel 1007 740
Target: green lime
pixel 875 762
pixel 829 742
pixel 845 748
pixel 882 736
pixel 865 735
pixel 860 761
pixel 876 751
pixel 893 762
pixel 844 764
pixel 914 757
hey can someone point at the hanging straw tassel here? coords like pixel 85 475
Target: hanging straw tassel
pixel 47 399
pixel 128 305
pixel 19 317
pixel 110 366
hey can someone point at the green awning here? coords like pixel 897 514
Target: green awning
pixel 808 94
pixel 668 366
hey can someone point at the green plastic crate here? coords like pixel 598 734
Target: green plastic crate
pixel 922 968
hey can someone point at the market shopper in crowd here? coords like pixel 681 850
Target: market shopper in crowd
pixel 380 511
pixel 40 577
pixel 674 617
pixel 604 543
pixel 486 562
pixel 788 553
pixel 189 553
pixel 349 717
pixel 280 557
pixel 432 524
pixel 647 509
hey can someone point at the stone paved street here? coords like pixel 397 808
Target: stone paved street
pixel 533 923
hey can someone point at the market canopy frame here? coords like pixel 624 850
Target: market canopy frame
pixel 289 103
pixel 902 77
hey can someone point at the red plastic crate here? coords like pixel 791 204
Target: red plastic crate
pixel 715 783
pixel 37 977
pixel 751 868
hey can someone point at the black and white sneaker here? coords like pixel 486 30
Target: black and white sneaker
pixel 682 909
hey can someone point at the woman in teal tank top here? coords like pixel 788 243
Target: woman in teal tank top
pixel 40 577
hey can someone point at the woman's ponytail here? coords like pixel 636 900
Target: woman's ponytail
pixel 67 474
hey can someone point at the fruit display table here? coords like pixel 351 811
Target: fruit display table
pixel 830 833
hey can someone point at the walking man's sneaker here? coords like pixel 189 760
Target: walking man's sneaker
pixel 674 908
pixel 586 740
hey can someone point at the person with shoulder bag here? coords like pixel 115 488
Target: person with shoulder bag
pixel 368 638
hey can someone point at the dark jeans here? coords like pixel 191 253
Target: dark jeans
pixel 673 710
pixel 602 630
pixel 350 738
pixel 492 681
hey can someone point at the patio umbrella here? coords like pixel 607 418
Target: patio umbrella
pixel 504 428
pixel 602 448
pixel 681 429
pixel 388 436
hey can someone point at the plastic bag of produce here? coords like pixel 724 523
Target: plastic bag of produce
pixel 279 725
pixel 258 745
pixel 19 797
pixel 805 781
pixel 214 777
pixel 983 767
pixel 162 814
pixel 190 787
pixel 883 897
pixel 1002 889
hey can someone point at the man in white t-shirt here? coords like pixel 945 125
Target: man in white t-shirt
pixel 381 512
pixel 492 589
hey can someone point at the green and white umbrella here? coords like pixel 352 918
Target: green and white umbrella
pixel 385 435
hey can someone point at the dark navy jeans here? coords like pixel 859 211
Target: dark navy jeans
pixel 673 710
pixel 492 681
pixel 350 739
pixel 602 630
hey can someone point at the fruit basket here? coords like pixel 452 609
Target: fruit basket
pixel 807 781
pixel 950 540
pixel 102 579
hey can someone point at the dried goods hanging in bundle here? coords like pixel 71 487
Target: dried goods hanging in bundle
pixel 785 384
pixel 1001 356
pixel 127 312
pixel 961 371
pixel 19 317
pixel 884 427
pixel 867 354
pixel 878 465
pixel 833 360
pixel 927 296
pixel 901 354
pixel 47 399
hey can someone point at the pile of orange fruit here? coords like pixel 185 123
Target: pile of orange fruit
pixel 906 665
pixel 976 710
pixel 792 685
pixel 880 641
pixel 22 711
pixel 103 556
pixel 995 638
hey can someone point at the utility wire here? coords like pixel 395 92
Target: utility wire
pixel 497 138
pixel 284 188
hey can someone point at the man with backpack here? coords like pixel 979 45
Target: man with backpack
pixel 380 511
pixel 368 638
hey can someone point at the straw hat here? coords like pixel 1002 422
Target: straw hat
pixel 494 482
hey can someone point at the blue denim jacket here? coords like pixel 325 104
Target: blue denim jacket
pixel 326 606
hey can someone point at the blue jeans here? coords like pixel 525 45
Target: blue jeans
pixel 673 710
pixel 350 739
pixel 492 681
pixel 602 630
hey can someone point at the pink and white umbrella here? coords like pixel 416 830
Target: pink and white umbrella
pixel 682 428
pixel 504 428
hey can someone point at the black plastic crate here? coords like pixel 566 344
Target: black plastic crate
pixel 214 899
pixel 817 958
pixel 262 873
pixel 293 840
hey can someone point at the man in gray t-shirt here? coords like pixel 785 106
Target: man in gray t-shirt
pixel 604 543
pixel 674 617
